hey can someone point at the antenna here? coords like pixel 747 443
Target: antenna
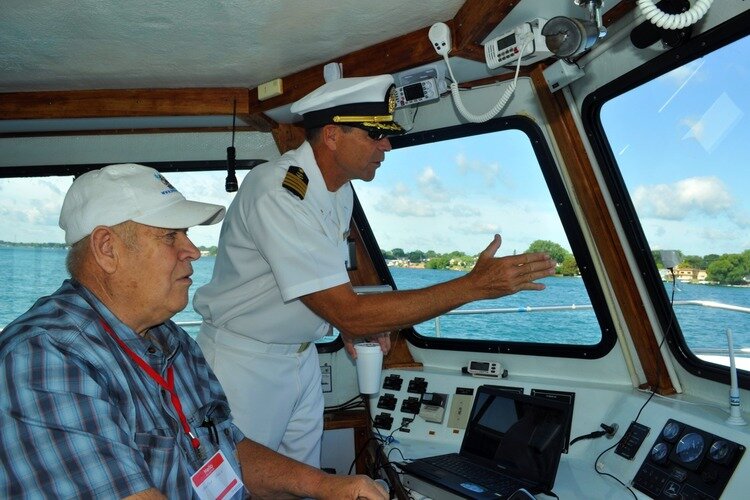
pixel 735 409
pixel 231 182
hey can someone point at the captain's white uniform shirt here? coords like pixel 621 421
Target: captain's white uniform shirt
pixel 274 248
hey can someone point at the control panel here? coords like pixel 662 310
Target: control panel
pixel 687 462
pixel 415 93
pixel 525 41
pixel 435 408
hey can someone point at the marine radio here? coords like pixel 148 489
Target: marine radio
pixel 414 93
pixel 506 48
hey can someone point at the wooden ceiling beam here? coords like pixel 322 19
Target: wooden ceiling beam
pixel 473 22
pixel 123 103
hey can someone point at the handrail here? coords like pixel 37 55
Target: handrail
pixel 575 307
pixel 525 309
pixel 712 304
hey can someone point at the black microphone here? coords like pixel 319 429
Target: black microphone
pixel 231 183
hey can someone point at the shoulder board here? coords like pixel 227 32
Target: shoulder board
pixel 296 181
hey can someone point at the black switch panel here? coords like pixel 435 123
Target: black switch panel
pixel 417 385
pixel 393 382
pixel 411 405
pixel 632 440
pixel 383 421
pixel 387 402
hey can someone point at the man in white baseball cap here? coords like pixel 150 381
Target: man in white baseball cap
pixel 99 374
pixel 118 193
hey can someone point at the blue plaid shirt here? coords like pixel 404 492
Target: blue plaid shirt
pixel 79 419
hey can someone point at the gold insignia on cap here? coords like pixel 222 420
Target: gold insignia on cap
pixel 384 126
pixel 360 119
pixel 391 99
pixel 296 181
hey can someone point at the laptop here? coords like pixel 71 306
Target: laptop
pixel 512 441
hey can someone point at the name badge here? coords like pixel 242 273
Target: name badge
pixel 216 479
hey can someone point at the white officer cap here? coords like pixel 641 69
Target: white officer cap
pixel 363 102
pixel 118 193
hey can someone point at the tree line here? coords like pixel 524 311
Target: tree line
pixel 725 269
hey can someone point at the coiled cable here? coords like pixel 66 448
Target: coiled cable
pixel 503 99
pixel 673 21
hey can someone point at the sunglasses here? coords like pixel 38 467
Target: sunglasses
pixel 376 135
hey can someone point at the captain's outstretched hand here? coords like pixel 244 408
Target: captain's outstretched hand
pixel 494 277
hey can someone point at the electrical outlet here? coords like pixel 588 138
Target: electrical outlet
pixel 460 409
pixel 326 377
pixel 270 89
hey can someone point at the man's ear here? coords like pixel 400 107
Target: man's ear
pixel 102 242
pixel 330 135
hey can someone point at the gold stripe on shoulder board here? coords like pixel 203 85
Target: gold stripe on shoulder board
pixel 295 181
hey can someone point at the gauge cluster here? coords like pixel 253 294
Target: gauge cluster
pixel 687 462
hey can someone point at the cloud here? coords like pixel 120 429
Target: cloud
pixel 478 227
pixel 488 171
pixel 742 219
pixel 706 195
pixel 431 186
pixel 399 202
pixel 464 211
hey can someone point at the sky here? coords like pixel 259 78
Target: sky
pixel 681 143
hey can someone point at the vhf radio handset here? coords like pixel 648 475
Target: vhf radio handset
pixel 440 36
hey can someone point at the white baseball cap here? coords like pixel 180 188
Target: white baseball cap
pixel 118 193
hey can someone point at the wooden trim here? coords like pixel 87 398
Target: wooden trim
pixel 589 195
pixel 124 103
pixel 473 22
pixel 359 422
pixel 399 356
pixel 287 136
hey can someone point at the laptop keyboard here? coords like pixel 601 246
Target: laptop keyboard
pixel 471 471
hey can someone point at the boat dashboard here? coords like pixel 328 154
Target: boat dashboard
pixel 655 447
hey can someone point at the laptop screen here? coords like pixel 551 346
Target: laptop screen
pixel 517 434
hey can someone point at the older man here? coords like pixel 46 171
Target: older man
pixel 102 395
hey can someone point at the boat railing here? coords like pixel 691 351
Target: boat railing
pixel 536 309
pixel 579 307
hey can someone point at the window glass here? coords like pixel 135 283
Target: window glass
pixel 434 207
pixel 32 246
pixel 681 145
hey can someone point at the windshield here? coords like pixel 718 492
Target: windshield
pixel 680 142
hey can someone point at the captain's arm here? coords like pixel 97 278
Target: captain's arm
pixel 492 277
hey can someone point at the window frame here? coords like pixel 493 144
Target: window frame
pixel 698 46
pixel 571 227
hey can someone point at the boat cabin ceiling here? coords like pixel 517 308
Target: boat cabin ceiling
pixel 174 84
pixel 131 66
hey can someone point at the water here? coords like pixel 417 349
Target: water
pixel 29 273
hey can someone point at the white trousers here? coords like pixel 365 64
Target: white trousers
pixel 274 391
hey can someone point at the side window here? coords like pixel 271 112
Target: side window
pixel 680 142
pixel 434 207
pixel 33 250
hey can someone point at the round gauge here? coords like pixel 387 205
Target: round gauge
pixel 690 447
pixel 671 431
pixel 659 453
pixel 719 450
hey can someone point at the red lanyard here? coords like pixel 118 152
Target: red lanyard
pixel 166 384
